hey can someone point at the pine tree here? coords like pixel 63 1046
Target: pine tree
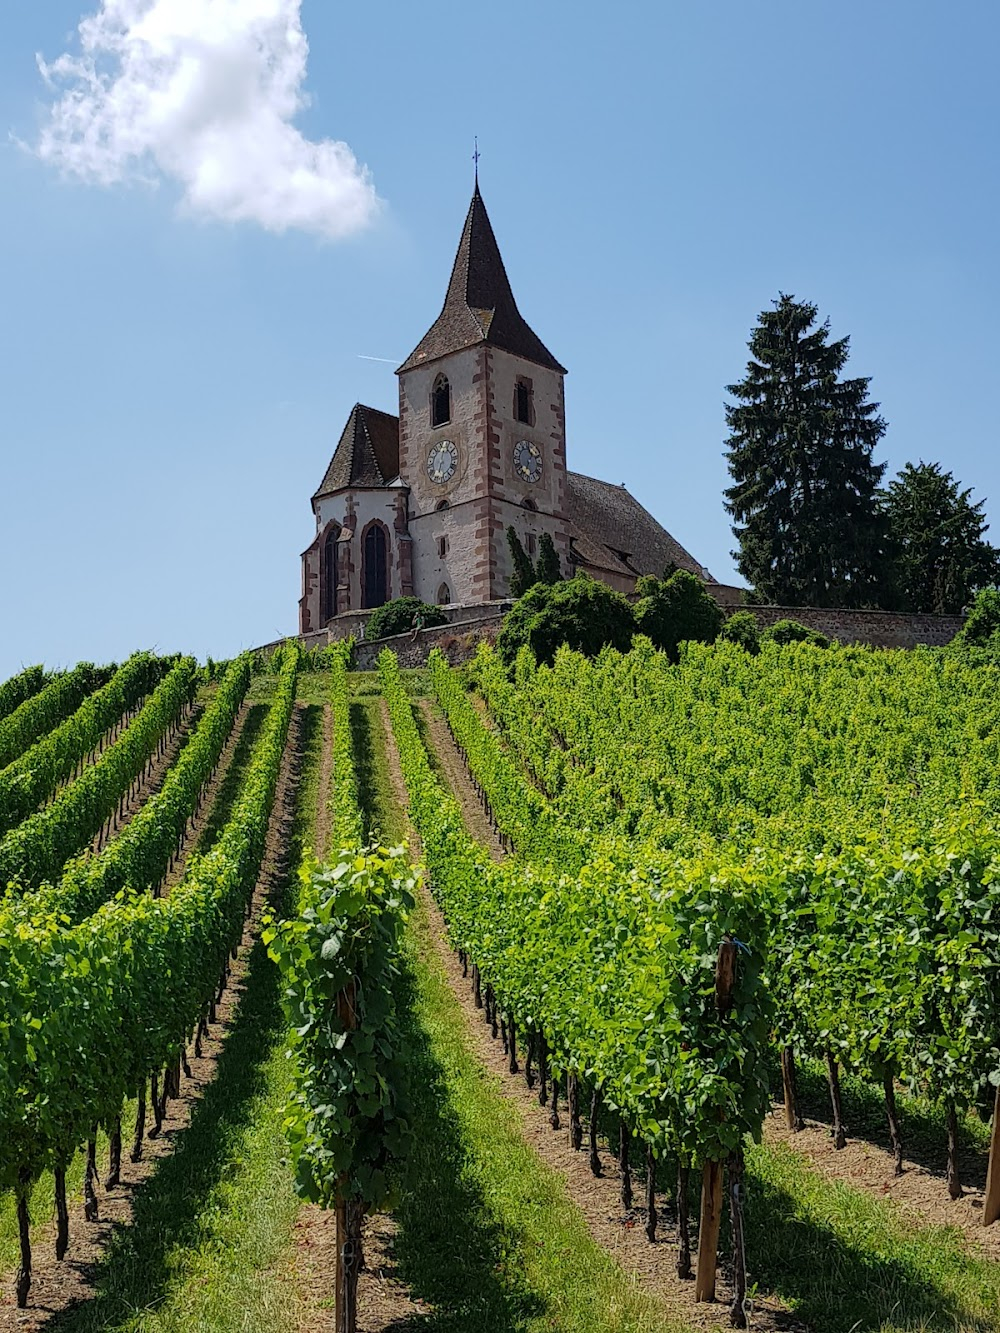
pixel 548 570
pixel 941 556
pixel 523 575
pixel 810 527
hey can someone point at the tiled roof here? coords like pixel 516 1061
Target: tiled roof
pixel 611 530
pixel 479 306
pixel 367 454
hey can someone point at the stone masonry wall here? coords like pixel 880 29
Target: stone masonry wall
pixel 880 629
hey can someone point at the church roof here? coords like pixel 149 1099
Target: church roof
pixel 479 306
pixel 611 530
pixel 367 454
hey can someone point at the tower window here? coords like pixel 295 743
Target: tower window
pixel 328 581
pixel 444 595
pixel 441 402
pixel 442 547
pixel 529 503
pixel 375 576
pixel 531 543
pixel 441 504
pixel 523 405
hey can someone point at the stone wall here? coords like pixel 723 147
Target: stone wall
pixel 881 629
pixel 458 642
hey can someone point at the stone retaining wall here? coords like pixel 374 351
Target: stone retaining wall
pixel 881 629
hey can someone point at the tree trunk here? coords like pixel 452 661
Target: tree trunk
pixel 595 1106
pixel 624 1167
pixel 554 1110
pixel 512 1038
pixel 90 1209
pixel 140 1122
pixel 737 1311
pixel 114 1155
pixel 891 1112
pixel 62 1213
pixel 683 1224
pixel 154 1104
pixel 651 1217
pixel 573 1107
pixel 543 1070
pixel 833 1078
pixel 954 1179
pixel 24 1235
pixel 793 1120
pixel 529 1073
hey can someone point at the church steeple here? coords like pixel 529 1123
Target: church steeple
pixel 479 306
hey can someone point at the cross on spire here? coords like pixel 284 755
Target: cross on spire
pixel 475 157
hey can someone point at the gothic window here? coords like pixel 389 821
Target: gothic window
pixel 442 547
pixel 376 567
pixel 444 595
pixel 329 575
pixel 523 406
pixel 441 504
pixel 441 402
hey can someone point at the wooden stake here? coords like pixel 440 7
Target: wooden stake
pixel 24 1234
pixel 737 1311
pixel 792 1118
pixel 651 1217
pixel 954 1179
pixel 991 1203
pixel 833 1078
pixel 348 1211
pixel 683 1229
pixel 708 1231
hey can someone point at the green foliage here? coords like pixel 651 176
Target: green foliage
pixel 346 1120
pixel 742 628
pixel 675 610
pixel 90 1009
pixel 21 687
pixel 397 616
pixel 982 624
pixel 793 631
pixel 38 848
pixel 580 612
pixel 42 712
pixel 33 778
pixel 523 574
pixel 808 522
pixel 140 856
pixel 614 964
pixel 941 557
pixel 549 569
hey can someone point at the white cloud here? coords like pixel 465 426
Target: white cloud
pixel 204 92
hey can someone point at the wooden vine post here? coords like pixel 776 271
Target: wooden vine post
pixel 711 1180
pixel 349 1212
pixel 991 1202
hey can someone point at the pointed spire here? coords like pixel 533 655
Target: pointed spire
pixel 367 454
pixel 479 305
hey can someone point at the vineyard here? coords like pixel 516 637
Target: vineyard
pixel 611 995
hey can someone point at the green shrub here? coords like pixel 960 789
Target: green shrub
pixel 982 624
pixel 792 631
pixel 742 628
pixel 675 610
pixel 397 616
pixel 580 612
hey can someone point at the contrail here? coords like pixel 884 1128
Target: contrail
pixel 389 360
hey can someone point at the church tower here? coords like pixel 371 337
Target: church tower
pixel 482 436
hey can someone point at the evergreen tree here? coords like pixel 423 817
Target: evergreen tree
pixel 523 575
pixel 548 570
pixel 940 554
pixel 810 527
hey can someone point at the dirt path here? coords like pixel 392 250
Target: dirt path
pixel 457 776
pixel 203 812
pixel 153 780
pixel 57 1286
pixel 652 1265
pixel 920 1194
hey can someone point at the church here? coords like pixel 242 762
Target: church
pixel 420 503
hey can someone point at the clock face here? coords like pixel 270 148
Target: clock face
pixel 527 460
pixel 442 460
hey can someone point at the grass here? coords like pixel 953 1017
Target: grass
pixel 211 1248
pixel 487 1233
pixel 845 1260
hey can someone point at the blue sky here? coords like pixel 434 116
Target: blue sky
pixel 172 381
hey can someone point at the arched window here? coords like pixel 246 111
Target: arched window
pixel 376 567
pixel 329 575
pixel 529 503
pixel 523 406
pixel 441 504
pixel 441 402
pixel 444 595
